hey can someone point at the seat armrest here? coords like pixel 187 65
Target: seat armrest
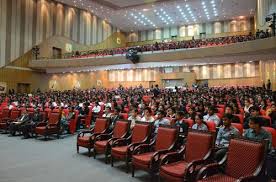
pixel 85 132
pixel 120 142
pixel 248 178
pixel 190 169
pixel 208 170
pixel 171 157
pixel 41 124
pixel 143 148
pixel 132 146
pixel 103 137
pixel 157 154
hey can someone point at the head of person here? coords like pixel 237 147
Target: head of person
pixel 134 112
pixel 117 111
pixel 179 115
pixel 255 123
pixel 147 111
pixel 170 111
pixel 198 119
pixel 254 111
pixel 227 120
pixel 107 109
pixel 190 110
pixel 228 110
pixel 247 103
pixel 160 114
pixel 211 110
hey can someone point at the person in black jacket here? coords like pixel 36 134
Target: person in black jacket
pixel 15 126
pixel 28 128
pixel 114 118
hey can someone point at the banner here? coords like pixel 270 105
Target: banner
pixel 3 87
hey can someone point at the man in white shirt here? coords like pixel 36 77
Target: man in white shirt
pixel 160 121
pixel 95 110
pixel 211 116
pixel 134 117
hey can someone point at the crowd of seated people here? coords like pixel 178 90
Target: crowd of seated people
pixel 170 45
pixel 241 111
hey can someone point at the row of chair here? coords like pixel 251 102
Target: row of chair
pixel 161 153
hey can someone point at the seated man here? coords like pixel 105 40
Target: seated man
pixel 29 126
pixel 160 120
pixel 134 117
pixel 229 110
pixel 183 127
pixel 255 112
pixel 114 118
pixel 65 120
pixel 272 114
pixel 256 132
pixel 211 116
pixel 15 126
pixel 223 137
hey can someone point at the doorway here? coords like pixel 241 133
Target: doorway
pixel 23 88
pixel 57 53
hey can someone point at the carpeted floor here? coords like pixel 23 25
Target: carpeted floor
pixel 30 160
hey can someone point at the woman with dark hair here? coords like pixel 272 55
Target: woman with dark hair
pixel 147 115
pixel 199 124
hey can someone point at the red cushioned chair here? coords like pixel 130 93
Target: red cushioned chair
pixel 49 128
pixel 190 122
pixel 244 162
pixel 124 115
pixel 267 120
pixel 4 116
pixel 87 120
pixel 272 131
pixel 240 116
pixel 73 122
pixel 122 148
pixel 104 142
pixel 183 165
pixel 86 138
pixel 147 156
pixel 5 122
pixel 238 126
pixel 211 126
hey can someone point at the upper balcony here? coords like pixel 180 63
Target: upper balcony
pixel 187 52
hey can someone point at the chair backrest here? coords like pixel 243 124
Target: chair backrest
pixel 238 126
pixel 198 144
pixel 140 132
pixel 240 116
pixel 190 122
pixel 166 137
pixel 124 115
pixel 15 114
pixel 54 118
pixel 267 120
pixel 44 115
pixel 101 125
pixel 5 113
pixel 121 128
pixel 244 157
pixel 211 126
pixel 272 131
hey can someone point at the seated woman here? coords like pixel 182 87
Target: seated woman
pixel 65 120
pixel 147 115
pixel 107 112
pixel 199 125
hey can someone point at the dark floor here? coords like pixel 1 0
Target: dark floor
pixel 30 160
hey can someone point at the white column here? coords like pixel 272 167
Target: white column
pixel 263 8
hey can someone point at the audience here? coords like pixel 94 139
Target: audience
pixel 134 117
pixel 160 120
pixel 183 127
pixel 211 116
pixel 147 115
pixel 162 46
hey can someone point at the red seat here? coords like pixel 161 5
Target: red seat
pixel 49 128
pixel 240 116
pixel 86 138
pixel 14 115
pixel 124 115
pixel 190 122
pixel 147 156
pixel 267 120
pixel 104 142
pixel 238 126
pixel 245 161
pixel 272 131
pixel 181 166
pixel 87 120
pixel 122 149
pixel 73 122
pixel 211 126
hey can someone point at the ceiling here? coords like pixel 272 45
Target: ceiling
pixel 134 15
